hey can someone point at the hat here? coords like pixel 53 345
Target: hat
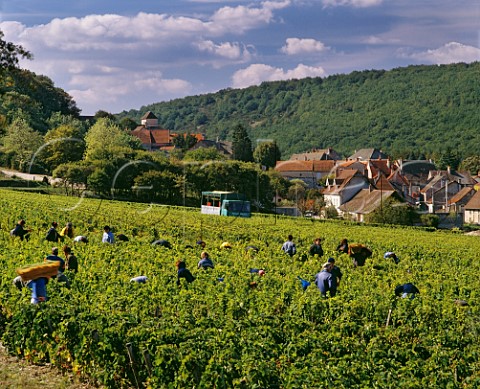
pixel 225 245
pixel 331 260
pixel 54 249
pixel 326 265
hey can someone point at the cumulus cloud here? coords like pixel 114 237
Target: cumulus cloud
pixel 102 86
pixel 449 53
pixel 295 46
pixel 233 51
pixel 257 73
pixel 351 3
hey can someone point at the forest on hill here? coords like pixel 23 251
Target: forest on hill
pixel 407 112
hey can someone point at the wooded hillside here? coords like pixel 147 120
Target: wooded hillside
pixel 411 111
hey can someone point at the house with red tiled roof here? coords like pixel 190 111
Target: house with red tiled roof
pixel 309 172
pixel 458 201
pixel 152 136
pixel 442 186
pixel 344 187
pixel 368 154
pixel 317 155
pixel 364 202
pixel 472 210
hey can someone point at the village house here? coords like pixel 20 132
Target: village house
pixel 317 155
pixel 442 186
pixel 472 210
pixel 223 147
pixel 309 172
pixel 364 202
pixel 344 187
pixel 151 135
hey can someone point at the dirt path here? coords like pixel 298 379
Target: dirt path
pixel 15 373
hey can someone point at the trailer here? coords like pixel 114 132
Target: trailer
pixel 225 204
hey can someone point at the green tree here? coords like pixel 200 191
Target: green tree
pixel 184 141
pixel 204 154
pixel 267 154
pixel 63 144
pixel 22 142
pixel 128 124
pixel 106 141
pixel 242 145
pixel 393 212
pixel 104 115
pixel 471 164
pixel 10 53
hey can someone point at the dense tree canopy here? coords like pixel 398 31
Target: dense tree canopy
pixel 415 109
pixel 11 53
pixel 242 145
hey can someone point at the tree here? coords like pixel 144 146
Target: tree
pixel 104 115
pixel 22 142
pixel 184 141
pixel 242 145
pixel 63 144
pixel 106 141
pixel 267 154
pixel 10 53
pixel 471 164
pixel 393 212
pixel 128 124
pixel 204 154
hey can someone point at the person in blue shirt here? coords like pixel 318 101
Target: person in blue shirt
pixel 39 290
pixel 183 272
pixel 326 282
pixel 107 235
pixel 61 277
pixel 52 233
pixel 205 262
pixel 289 247
pixel 21 231
pixel 335 271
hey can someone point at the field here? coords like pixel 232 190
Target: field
pixel 230 333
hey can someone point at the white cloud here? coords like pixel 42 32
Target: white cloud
pixel 295 46
pixel 92 91
pixel 351 3
pixel 257 73
pixel 449 53
pixel 233 51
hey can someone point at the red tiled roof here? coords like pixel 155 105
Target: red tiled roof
pixel 463 193
pixel 474 202
pixel 305 166
pixel 152 136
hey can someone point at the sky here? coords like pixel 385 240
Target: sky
pixel 116 55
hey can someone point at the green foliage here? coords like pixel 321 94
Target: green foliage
pixel 204 154
pixel 267 154
pixel 471 164
pixel 229 333
pixel 406 111
pixel 393 212
pixel 184 141
pixel 63 144
pixel 105 140
pixel 430 220
pixel 22 142
pixel 10 53
pixel 241 145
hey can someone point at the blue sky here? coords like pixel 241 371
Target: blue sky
pixel 116 55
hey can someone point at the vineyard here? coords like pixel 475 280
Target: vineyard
pixel 232 328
